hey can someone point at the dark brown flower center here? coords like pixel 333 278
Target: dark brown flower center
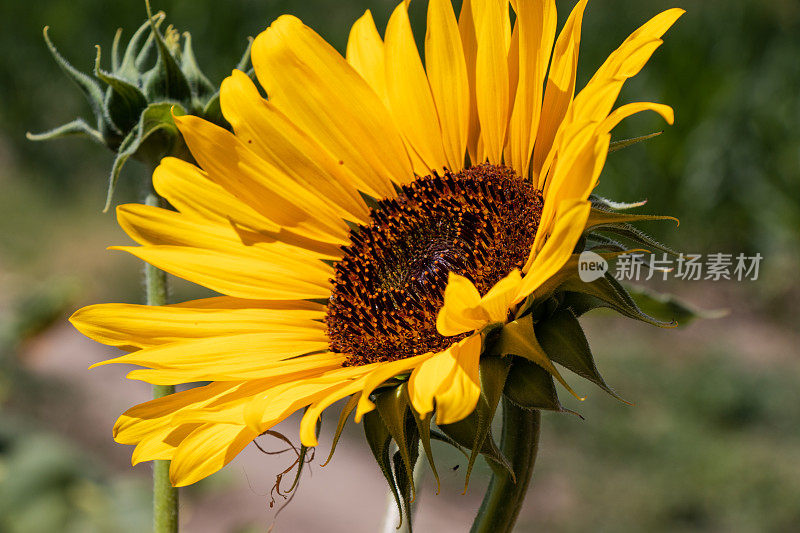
pixel 389 286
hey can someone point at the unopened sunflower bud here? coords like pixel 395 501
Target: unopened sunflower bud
pixel 155 77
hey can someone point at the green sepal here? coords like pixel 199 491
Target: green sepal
pixel 607 204
pixel 568 271
pixel 619 145
pixel 405 481
pixel 636 235
pixel 76 127
pixel 601 217
pixel 563 339
pixel 136 53
pixel 463 433
pixel 531 387
pixel 379 439
pixel 165 80
pixel 597 243
pixel 156 118
pixel 90 88
pixel 392 405
pixel 670 307
pixel 475 431
pixel 202 89
pixel 493 372
pixel 301 463
pixel 351 404
pixel 123 101
pixel 519 338
pixel 424 432
pixel 612 293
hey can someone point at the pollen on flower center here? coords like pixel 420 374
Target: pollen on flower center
pixel 389 286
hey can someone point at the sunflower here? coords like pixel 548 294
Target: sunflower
pixel 370 223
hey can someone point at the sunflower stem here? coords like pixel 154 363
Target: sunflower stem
pixel 165 496
pixel 519 443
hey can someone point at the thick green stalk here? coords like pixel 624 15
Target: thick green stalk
pixel 165 496
pixel 504 497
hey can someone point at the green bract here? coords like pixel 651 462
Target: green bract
pixel 155 77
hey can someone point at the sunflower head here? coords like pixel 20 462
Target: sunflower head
pixel 403 237
pixel 155 76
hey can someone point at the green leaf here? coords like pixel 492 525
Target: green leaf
pixel 669 307
pixel 600 217
pixel 562 338
pixel 519 338
pixel 531 387
pixel 378 438
pixel 610 291
pixel 124 102
pixel 351 404
pixel 392 405
pixel 619 145
pixel 90 88
pixel 77 127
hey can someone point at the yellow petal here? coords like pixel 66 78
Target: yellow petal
pixel 469 41
pixel 161 443
pixel 450 378
pixel 491 76
pixel 381 373
pixel 190 191
pixel 570 222
pixel 623 112
pixel 536 20
pixel 461 310
pixel 145 326
pixel 278 276
pixel 365 53
pixel 151 420
pixel 409 93
pixel 207 449
pixel 308 424
pixel 241 369
pixel 459 395
pixel 264 187
pixel 497 302
pixel 229 353
pixel 322 94
pixel 597 98
pixel 560 87
pixel 282 144
pixel 226 302
pixel 447 73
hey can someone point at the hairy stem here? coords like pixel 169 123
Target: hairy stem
pixel 165 496
pixel 504 497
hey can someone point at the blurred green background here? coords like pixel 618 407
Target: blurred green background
pixel 713 442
